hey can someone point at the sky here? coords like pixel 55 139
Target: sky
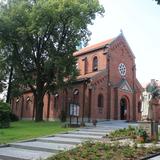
pixel 140 22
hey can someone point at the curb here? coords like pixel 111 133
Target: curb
pixel 150 156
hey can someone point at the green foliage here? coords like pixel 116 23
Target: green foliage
pixel 4 115
pixel 39 38
pixel 3 73
pixel 142 133
pixel 100 150
pixel 130 132
pixel 158 1
pixel 123 133
pixel 13 117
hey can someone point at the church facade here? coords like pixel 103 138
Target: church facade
pixel 107 87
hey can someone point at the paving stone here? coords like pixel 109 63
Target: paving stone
pixel 60 140
pixel 79 136
pixel 12 153
pixel 42 146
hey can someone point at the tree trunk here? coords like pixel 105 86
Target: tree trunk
pixel 38 97
pixel 9 85
pixel 39 109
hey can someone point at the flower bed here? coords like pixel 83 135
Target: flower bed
pixel 105 151
pixel 129 132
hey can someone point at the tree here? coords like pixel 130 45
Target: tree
pixel 40 37
pixel 158 1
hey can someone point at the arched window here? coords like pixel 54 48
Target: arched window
pixel 139 107
pixel 76 96
pixel 100 101
pixel 95 64
pixel 17 101
pixel 85 65
pixel 56 98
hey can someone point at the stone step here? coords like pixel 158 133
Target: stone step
pixel 95 130
pixel 10 158
pixel 43 146
pixel 109 127
pixel 88 133
pixel 11 153
pixel 69 135
pixel 60 140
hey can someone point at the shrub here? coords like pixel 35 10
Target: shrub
pixel 4 115
pixel 123 133
pixel 13 117
pixel 142 133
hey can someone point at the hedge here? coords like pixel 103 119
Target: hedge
pixel 4 115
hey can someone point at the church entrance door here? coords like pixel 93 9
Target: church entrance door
pixel 123 109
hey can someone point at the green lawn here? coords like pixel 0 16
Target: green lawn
pixel 23 130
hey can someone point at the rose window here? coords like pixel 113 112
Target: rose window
pixel 122 69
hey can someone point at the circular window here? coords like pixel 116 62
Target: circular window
pixel 122 69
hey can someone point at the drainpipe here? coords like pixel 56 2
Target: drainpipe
pixel 108 56
pixel 134 93
pixel 108 87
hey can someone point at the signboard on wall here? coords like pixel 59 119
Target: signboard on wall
pixel 74 110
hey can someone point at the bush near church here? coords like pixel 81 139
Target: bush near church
pixel 4 115
pixel 13 117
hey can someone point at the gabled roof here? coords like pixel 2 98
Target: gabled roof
pixel 101 45
pixel 124 85
pixel 91 75
pixel 93 47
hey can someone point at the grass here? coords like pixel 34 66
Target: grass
pixel 104 151
pixel 23 130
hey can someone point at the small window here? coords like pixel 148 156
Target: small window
pixel 17 101
pixel 76 96
pixel 56 98
pixel 100 103
pixel 95 64
pixel 77 65
pixel 85 65
pixel 139 107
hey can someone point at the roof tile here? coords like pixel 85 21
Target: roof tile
pixel 93 47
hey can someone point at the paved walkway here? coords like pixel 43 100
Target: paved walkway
pixel 44 147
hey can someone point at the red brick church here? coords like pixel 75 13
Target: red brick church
pixel 107 87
